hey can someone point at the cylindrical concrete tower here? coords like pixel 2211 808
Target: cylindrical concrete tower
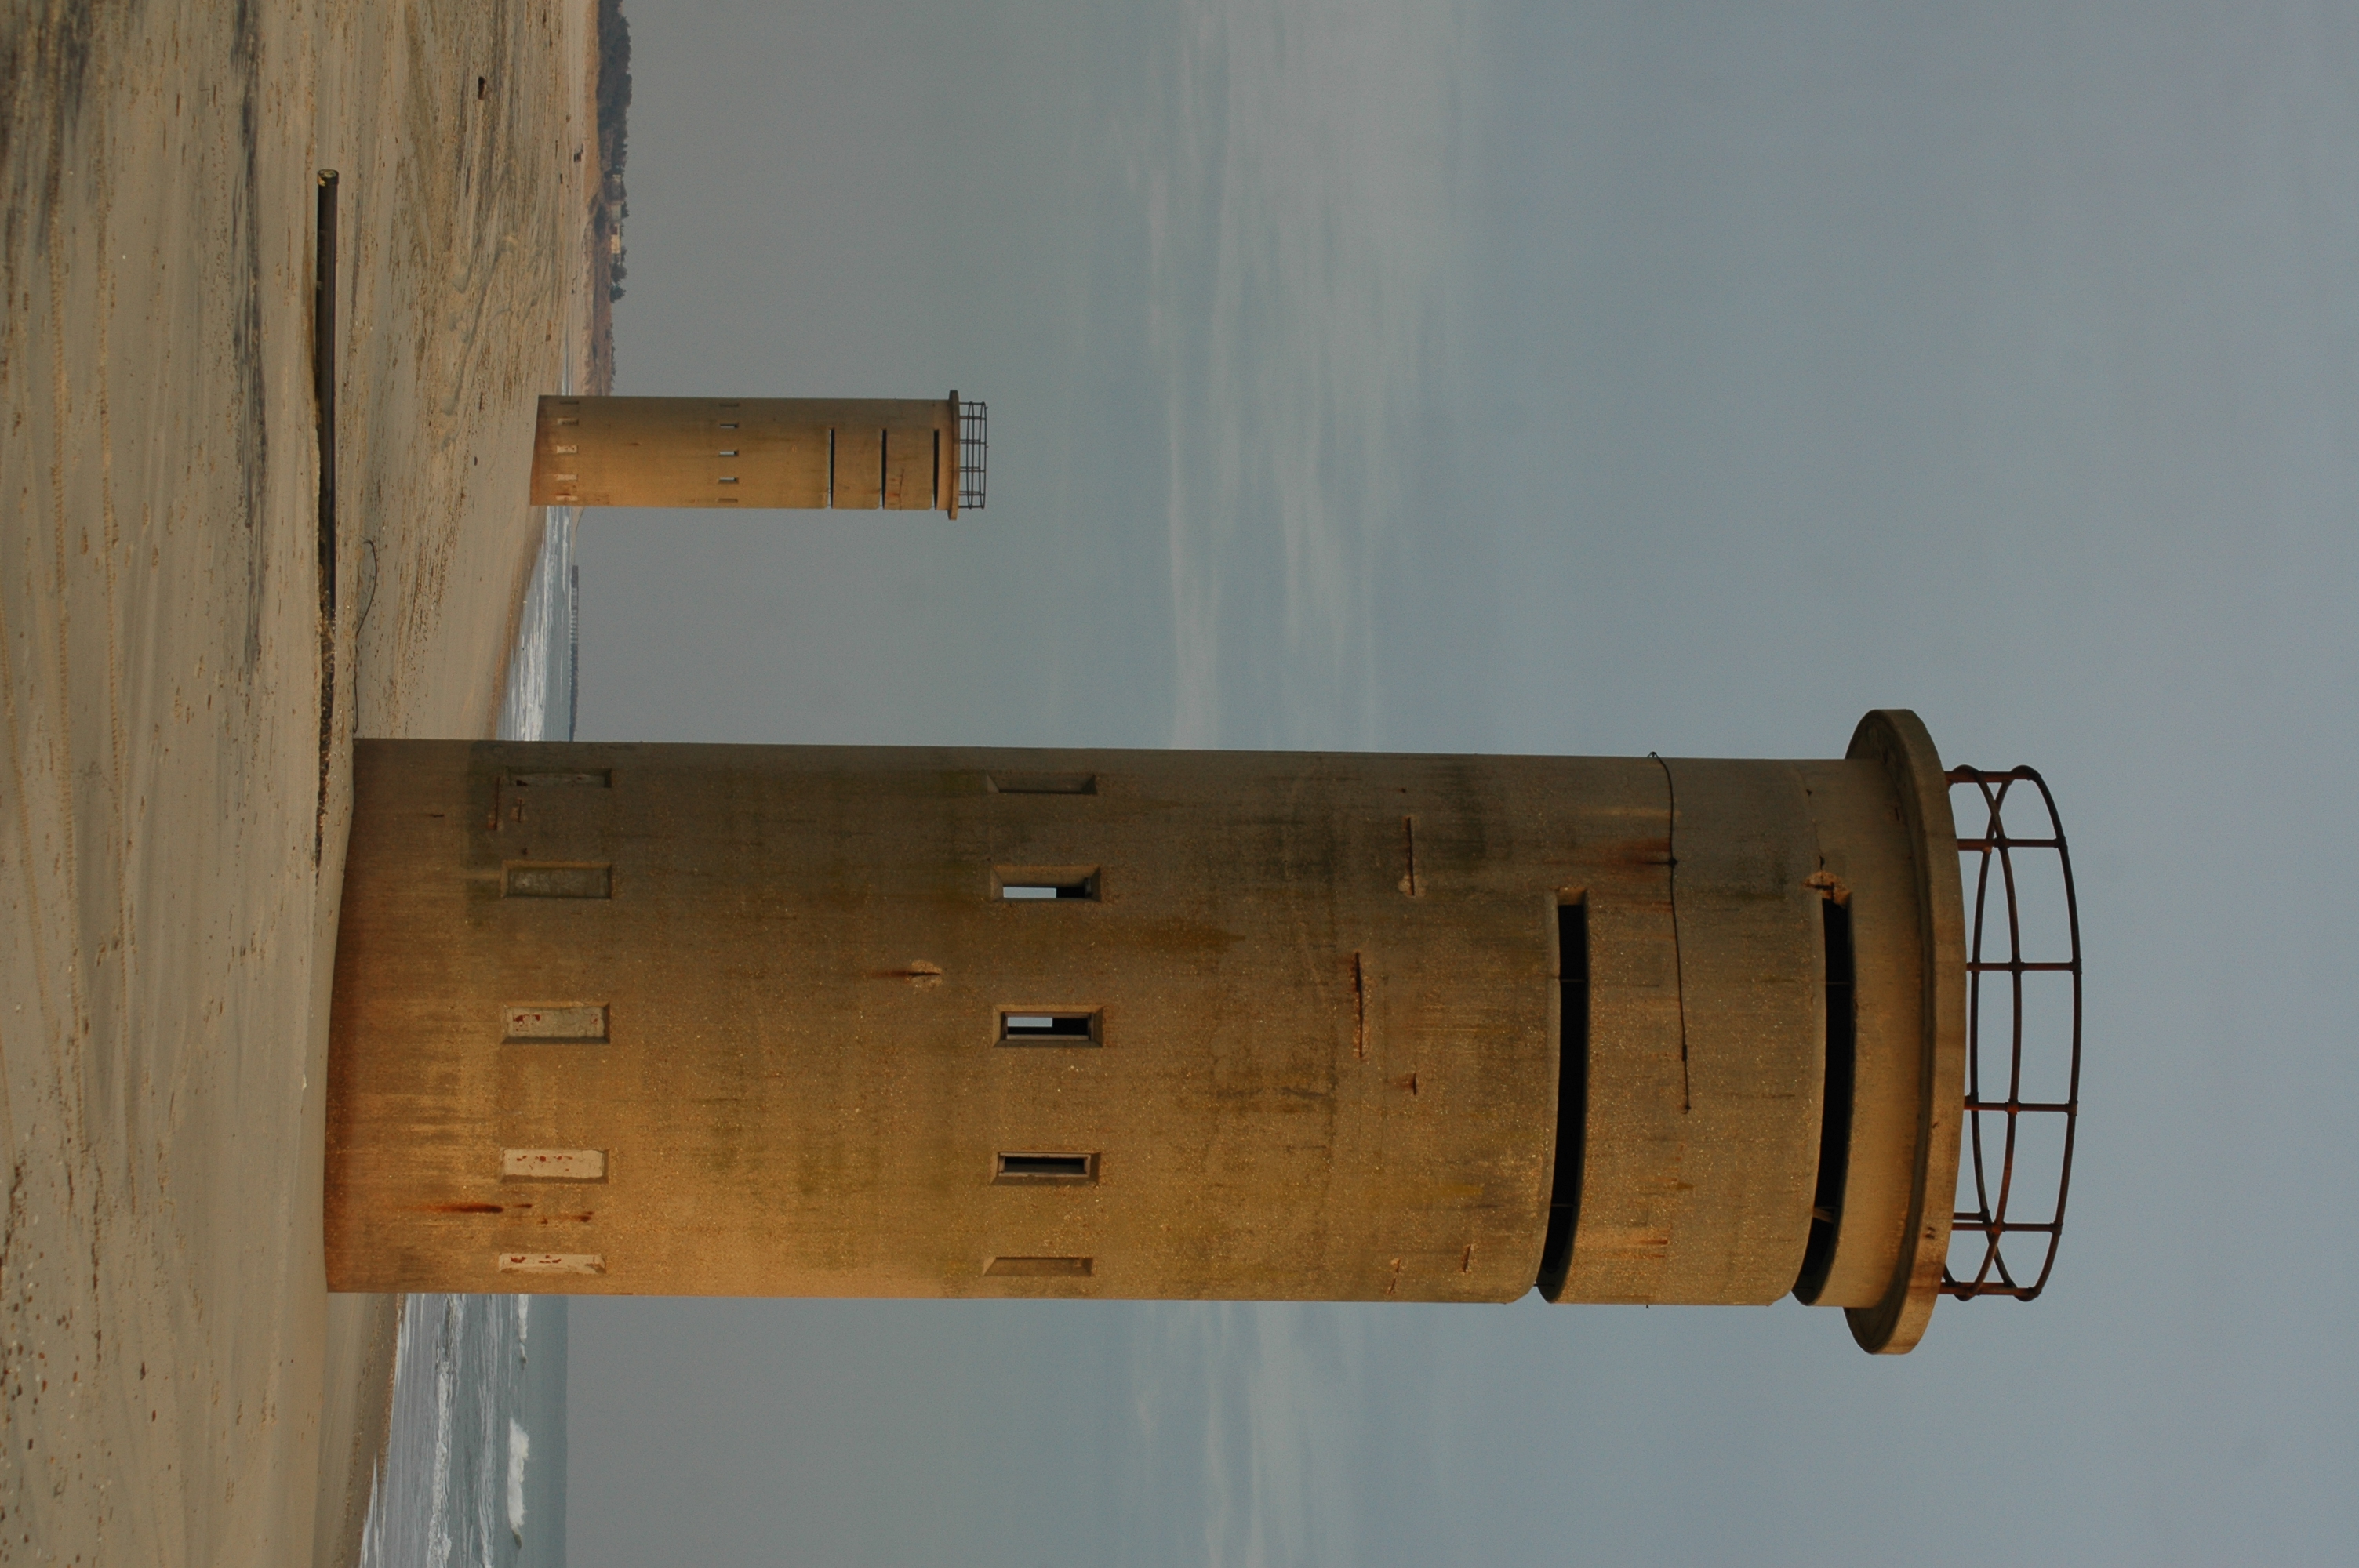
pixel 752 452
pixel 808 1021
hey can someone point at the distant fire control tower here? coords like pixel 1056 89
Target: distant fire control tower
pixel 902 455
pixel 870 1021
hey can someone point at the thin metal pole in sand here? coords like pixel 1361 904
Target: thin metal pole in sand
pixel 323 391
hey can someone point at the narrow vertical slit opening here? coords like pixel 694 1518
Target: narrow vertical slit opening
pixel 1572 1094
pixel 1834 1118
pixel 831 465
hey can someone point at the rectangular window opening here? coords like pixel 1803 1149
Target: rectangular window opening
pixel 1033 884
pixel 1056 1170
pixel 1041 1268
pixel 1043 784
pixel 541 879
pixel 592 778
pixel 1571 1092
pixel 1028 1026
pixel 552 1164
pixel 727 452
pixel 551 1263
pixel 525 1024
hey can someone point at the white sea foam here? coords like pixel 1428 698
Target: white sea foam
pixel 477 1438
pixel 536 702
pixel 519 1447
pixel 446 1387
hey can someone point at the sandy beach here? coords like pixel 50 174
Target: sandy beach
pixel 178 1386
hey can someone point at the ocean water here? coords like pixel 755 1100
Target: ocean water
pixel 475 1465
pixel 538 703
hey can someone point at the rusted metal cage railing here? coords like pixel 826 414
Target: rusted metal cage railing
pixel 2004 1118
pixel 974 454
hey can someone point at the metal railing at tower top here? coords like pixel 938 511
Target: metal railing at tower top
pixel 974 454
pixel 2021 1113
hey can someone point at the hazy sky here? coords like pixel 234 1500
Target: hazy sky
pixel 1578 379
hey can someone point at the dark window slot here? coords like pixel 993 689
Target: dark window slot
pixel 592 778
pixel 1031 885
pixel 1572 1096
pixel 1834 1119
pixel 1043 784
pixel 1041 1268
pixel 1065 1170
pixel 1018 1026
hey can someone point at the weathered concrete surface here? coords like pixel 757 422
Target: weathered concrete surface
pixel 1284 1025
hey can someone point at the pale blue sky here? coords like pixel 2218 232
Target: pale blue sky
pixel 1556 378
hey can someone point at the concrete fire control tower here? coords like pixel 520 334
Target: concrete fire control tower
pixel 808 1021
pixel 801 453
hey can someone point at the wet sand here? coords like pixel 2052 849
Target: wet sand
pixel 177 1384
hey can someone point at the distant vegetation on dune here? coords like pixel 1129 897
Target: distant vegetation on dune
pixel 613 83
pixel 610 205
